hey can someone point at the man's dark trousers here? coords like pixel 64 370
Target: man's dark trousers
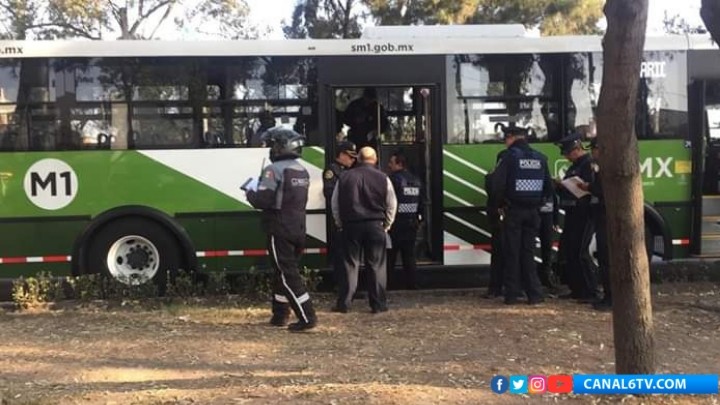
pixel 403 241
pixel 520 228
pixel 496 259
pixel 370 238
pixel 285 254
pixel 575 240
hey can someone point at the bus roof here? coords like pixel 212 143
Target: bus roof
pixel 318 47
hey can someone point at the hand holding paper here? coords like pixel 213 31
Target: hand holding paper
pixel 573 184
pixel 250 184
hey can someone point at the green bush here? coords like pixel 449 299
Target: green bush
pixel 38 291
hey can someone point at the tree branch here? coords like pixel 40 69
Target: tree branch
pixel 142 17
pixel 65 26
pixel 164 17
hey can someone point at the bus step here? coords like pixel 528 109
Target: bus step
pixel 710 244
pixel 711 205
pixel 710 224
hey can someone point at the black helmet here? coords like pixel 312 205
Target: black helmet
pixel 283 143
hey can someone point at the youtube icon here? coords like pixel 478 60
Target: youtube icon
pixel 560 384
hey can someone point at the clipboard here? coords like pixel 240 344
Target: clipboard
pixel 571 184
pixel 250 184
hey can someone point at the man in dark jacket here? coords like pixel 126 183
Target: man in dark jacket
pixel 282 196
pixel 597 211
pixel 521 183
pixel 408 189
pixel 364 206
pixel 575 237
pixel 345 157
pixel 366 118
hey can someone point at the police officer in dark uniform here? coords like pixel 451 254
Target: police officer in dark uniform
pixel 364 207
pixel 495 287
pixel 345 156
pixel 521 182
pixel 597 211
pixel 282 195
pixel 409 213
pixel 548 223
pixel 574 241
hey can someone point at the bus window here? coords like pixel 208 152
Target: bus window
pixel 267 92
pixel 492 89
pixel 662 94
pixel 29 118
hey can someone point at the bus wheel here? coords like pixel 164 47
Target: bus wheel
pixel 135 251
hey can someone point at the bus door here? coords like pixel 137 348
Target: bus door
pixel 405 119
pixel 707 234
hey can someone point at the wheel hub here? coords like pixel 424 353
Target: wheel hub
pixel 133 260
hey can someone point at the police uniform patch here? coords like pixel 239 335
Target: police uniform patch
pixel 269 174
pixel 328 174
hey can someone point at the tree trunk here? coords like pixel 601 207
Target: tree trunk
pixel 710 13
pixel 630 278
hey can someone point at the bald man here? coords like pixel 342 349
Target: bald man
pixel 364 207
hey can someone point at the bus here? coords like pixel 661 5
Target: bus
pixel 126 157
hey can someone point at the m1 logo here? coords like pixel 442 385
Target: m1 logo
pixel 51 184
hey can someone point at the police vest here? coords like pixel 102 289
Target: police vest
pixel 526 176
pixel 407 191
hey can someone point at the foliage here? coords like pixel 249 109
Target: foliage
pixel 552 17
pixel 43 289
pixel 676 24
pixel 36 292
pixel 135 19
pixel 710 13
pixel 325 19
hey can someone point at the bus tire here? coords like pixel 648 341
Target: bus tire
pixel 134 251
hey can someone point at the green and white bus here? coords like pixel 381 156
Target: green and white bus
pixel 126 157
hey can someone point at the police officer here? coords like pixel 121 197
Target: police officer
pixel 345 156
pixel 548 223
pixel 521 182
pixel 597 212
pixel 365 116
pixel 574 240
pixel 364 207
pixel 495 287
pixel 409 213
pixel 282 196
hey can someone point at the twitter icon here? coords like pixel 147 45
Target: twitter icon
pixel 518 384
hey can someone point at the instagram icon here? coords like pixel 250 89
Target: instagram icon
pixel 537 384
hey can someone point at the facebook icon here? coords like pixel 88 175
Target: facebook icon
pixel 499 384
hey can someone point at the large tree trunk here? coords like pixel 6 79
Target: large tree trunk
pixel 710 13
pixel 630 278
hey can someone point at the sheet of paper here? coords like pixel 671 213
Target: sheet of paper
pixel 250 184
pixel 388 241
pixel 572 185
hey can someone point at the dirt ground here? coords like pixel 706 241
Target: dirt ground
pixel 432 347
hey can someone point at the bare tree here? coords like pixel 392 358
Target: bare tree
pixel 710 13
pixel 632 308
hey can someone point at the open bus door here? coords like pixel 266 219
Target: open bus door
pixel 406 118
pixel 705 113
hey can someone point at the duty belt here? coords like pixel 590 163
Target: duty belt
pixel 407 208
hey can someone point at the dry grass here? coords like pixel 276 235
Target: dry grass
pixel 431 348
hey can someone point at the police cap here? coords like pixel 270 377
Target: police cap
pixel 569 143
pixel 346 147
pixel 512 130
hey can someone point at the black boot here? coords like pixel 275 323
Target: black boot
pixel 281 313
pixel 306 318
